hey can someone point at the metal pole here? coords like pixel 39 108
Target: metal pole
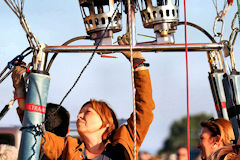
pixel 132 25
pixel 138 47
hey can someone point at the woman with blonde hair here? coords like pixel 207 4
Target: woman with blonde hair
pixel 215 134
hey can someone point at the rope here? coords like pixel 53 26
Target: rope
pixel 222 13
pixel 17 8
pixel 215 5
pixel 186 50
pixel 130 19
pixel 238 12
pixel 76 81
pixel 37 130
pixel 226 9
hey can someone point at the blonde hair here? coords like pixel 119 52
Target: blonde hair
pixel 220 127
pixel 8 152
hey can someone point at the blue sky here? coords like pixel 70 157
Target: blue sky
pixel 56 21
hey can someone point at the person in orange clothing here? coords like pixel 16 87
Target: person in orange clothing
pixel 97 125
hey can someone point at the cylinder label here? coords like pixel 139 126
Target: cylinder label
pixel 35 108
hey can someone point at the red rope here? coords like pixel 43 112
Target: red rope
pixel 186 50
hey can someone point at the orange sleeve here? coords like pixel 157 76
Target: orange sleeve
pixel 52 145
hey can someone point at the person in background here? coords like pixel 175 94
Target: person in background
pixel 172 156
pixel 57 119
pixel 158 157
pixel 182 153
pixel 145 156
pixel 215 134
pixel 8 152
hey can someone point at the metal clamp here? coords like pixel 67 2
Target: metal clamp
pixel 39 58
pixel 14 62
pixel 218 34
pixel 235 31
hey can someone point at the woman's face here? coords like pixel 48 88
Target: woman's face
pixel 207 144
pixel 88 120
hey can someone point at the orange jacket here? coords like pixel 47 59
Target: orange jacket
pixel 70 148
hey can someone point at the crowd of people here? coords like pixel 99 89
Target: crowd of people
pixel 181 154
pixel 101 137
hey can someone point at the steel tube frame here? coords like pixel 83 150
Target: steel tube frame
pixel 139 47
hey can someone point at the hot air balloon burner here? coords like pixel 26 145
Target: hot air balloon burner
pixel 97 16
pixel 162 16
